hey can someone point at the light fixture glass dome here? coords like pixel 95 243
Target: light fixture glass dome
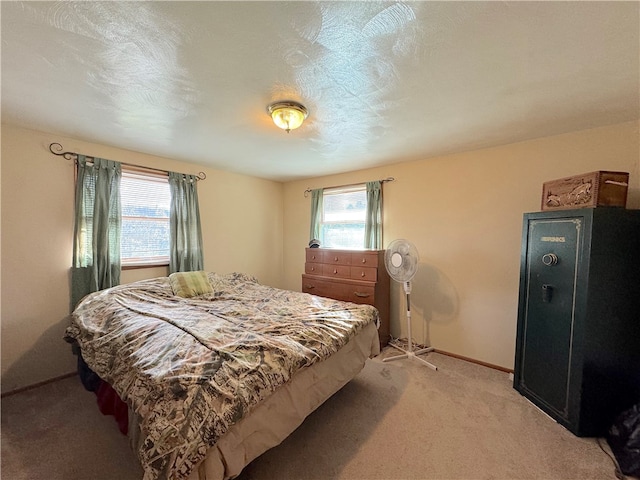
pixel 287 115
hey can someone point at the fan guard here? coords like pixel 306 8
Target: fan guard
pixel 401 260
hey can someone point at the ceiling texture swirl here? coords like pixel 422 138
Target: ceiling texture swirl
pixel 384 82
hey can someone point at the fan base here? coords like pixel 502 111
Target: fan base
pixel 408 354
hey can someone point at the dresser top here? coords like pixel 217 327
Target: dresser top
pixel 347 250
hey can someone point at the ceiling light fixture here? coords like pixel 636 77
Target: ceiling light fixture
pixel 287 115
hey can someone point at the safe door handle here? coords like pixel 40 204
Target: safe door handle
pixel 547 293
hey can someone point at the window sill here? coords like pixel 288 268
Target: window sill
pixel 134 266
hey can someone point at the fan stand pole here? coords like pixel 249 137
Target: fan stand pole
pixel 409 353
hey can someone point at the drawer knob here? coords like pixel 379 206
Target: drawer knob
pixel 313 269
pixel 364 260
pixel 310 286
pixel 363 274
pixel 361 295
pixel 335 259
pixel 335 271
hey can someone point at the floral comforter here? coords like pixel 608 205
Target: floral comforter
pixel 191 368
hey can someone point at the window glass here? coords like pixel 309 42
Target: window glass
pixel 343 217
pixel 145 200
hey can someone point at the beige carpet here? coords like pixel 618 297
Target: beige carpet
pixel 397 420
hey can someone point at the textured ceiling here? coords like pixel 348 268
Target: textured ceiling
pixel 384 82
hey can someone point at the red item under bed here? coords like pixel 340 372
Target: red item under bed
pixel 110 403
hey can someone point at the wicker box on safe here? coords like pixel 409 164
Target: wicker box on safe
pixel 591 189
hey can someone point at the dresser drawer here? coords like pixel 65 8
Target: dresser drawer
pixel 347 290
pixel 336 257
pixel 313 268
pixel 323 288
pixel 336 271
pixel 313 255
pixel 365 259
pixel 368 274
pixel 360 294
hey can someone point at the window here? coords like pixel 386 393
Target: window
pixel 343 217
pixel 145 200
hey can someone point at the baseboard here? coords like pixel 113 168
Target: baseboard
pixel 39 384
pixel 67 375
pixel 472 360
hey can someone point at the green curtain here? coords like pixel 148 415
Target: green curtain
pixel 184 223
pixel 316 214
pixel 96 234
pixel 373 221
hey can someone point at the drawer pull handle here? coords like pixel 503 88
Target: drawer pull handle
pixel 335 271
pixel 310 286
pixel 361 295
pixel 363 274
pixel 313 269
pixel 335 259
pixel 364 260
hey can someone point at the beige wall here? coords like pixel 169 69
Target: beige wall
pixel 242 228
pixel 464 214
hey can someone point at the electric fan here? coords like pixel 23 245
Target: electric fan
pixel 401 260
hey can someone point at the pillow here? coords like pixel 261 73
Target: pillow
pixel 190 284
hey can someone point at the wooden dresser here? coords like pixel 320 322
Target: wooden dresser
pixel 357 276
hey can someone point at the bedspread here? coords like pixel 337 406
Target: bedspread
pixel 192 367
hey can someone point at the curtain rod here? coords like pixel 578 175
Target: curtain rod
pixel 74 156
pixel 384 180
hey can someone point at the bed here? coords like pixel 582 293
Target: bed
pixel 216 369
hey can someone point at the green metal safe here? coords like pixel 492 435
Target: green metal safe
pixel 578 336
